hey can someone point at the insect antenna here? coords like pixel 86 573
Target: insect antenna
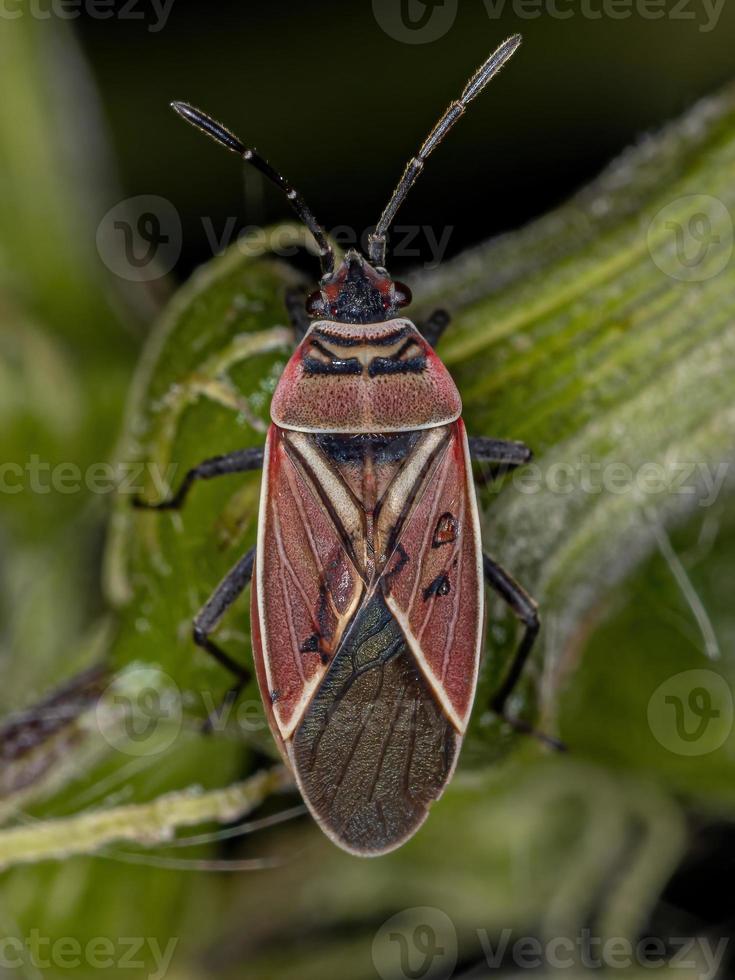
pixel 222 135
pixel 454 111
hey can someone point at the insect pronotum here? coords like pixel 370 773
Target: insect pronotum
pixel 368 576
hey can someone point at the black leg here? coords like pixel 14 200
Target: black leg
pixel 508 454
pixel 500 455
pixel 434 327
pixel 300 320
pixel 240 461
pixel 207 619
pixel 524 608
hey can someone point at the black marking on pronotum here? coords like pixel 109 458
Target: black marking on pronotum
pixel 446 530
pixel 313 365
pixel 395 364
pixel 334 363
pixel 332 355
pixel 384 341
pixel 411 342
pixel 440 586
pixel 387 365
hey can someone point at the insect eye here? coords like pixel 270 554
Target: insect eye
pixel 315 304
pixel 403 295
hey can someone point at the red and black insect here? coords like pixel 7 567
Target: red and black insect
pixel 368 576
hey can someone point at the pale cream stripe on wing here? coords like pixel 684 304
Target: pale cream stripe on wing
pixel 404 486
pixel 436 685
pixel 347 509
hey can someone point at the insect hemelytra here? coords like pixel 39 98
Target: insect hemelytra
pixel 368 575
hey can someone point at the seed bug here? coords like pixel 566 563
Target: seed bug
pixel 368 605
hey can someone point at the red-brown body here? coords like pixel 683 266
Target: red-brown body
pixel 367 600
pixel 367 603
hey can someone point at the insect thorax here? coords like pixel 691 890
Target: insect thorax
pixel 375 377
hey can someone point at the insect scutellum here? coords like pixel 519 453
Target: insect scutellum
pixel 360 290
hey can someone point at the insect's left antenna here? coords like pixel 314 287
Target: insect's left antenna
pixel 457 109
pixel 222 135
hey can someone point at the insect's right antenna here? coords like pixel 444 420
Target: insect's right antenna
pixel 222 135
pixel 457 109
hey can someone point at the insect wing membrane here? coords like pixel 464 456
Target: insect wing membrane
pixel 369 614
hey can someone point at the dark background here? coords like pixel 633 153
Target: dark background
pixel 339 105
